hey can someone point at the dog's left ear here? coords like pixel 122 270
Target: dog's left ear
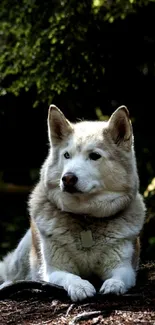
pixel 120 127
pixel 59 127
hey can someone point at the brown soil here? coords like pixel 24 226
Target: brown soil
pixel 38 307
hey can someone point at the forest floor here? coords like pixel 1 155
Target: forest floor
pixel 30 306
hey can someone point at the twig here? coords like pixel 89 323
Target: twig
pixel 69 309
pixel 46 322
pixel 88 315
pixel 129 296
pixel 132 295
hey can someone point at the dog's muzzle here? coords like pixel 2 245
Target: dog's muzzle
pixel 69 181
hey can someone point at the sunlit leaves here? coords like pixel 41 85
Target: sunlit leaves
pixel 116 9
pixel 150 188
pixel 100 115
pixel 46 44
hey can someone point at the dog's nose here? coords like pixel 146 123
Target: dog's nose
pixel 69 179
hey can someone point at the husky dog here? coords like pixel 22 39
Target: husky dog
pixel 86 211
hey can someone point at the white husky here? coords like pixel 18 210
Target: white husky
pixel 86 211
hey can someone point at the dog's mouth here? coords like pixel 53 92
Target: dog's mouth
pixel 71 189
pixel 74 190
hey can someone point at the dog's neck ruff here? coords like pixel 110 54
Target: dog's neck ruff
pixel 86 235
pixel 87 219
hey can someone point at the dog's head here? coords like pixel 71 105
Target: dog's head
pixel 90 161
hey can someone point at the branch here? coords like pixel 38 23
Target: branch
pixel 12 288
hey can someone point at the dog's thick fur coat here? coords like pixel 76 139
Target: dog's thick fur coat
pixel 86 211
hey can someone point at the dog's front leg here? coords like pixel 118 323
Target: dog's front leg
pixel 76 287
pixel 121 279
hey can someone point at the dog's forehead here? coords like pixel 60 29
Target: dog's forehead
pixel 91 129
pixel 88 135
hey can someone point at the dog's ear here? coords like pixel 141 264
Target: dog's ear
pixel 59 127
pixel 120 127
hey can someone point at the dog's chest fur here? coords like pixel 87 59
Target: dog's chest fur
pixel 67 238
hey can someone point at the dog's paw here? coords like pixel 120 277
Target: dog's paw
pixel 80 290
pixel 113 286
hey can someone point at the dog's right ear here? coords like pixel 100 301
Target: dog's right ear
pixel 59 127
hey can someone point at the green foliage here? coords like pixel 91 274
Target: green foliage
pixel 45 45
pixel 118 8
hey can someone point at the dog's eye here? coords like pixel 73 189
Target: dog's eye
pixel 94 156
pixel 67 155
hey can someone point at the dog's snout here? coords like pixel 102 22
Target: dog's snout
pixel 69 179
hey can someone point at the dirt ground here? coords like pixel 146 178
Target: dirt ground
pixel 37 306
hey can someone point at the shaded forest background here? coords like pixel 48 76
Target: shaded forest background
pixel 87 58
